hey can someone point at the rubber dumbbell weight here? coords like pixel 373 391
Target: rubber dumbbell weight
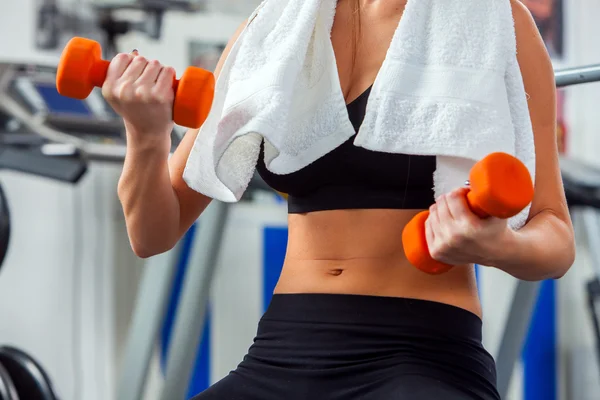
pixel 81 68
pixel 499 186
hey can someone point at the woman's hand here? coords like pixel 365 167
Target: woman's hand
pixel 457 236
pixel 141 92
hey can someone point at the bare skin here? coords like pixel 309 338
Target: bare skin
pixel 359 251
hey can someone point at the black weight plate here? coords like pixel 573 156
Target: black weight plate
pixel 29 378
pixel 7 387
pixel 4 225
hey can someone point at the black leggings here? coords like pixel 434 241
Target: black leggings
pixel 346 347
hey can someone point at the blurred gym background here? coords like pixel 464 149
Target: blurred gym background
pixel 81 318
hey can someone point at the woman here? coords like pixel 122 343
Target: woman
pixel 350 318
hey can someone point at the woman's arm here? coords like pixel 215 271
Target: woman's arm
pixel 159 207
pixel 545 247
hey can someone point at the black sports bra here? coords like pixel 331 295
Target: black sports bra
pixel 351 177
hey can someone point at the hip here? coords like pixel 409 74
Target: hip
pixel 369 344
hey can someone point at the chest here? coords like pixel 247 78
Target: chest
pixel 361 40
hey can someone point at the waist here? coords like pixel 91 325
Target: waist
pixel 360 252
pixel 397 315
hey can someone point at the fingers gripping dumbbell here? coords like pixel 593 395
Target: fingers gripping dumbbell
pixel 81 68
pixel 499 186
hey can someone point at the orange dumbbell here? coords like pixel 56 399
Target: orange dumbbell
pixel 81 68
pixel 499 186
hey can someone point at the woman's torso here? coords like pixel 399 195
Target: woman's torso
pixel 349 249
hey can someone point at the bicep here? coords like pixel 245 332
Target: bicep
pixel 538 78
pixel 192 203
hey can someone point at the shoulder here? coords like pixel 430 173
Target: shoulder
pixel 536 68
pixel 526 31
pixel 228 47
pixel 532 55
pixel 522 16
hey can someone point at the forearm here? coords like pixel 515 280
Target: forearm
pixel 149 202
pixel 543 249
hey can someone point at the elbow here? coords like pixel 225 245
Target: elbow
pixel 554 271
pixel 567 254
pixel 566 262
pixel 560 250
pixel 561 262
pixel 149 237
pixel 143 252
pixel 547 256
pixel 150 250
pixel 147 242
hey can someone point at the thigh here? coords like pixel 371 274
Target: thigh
pixel 419 387
pixel 244 384
pixel 232 387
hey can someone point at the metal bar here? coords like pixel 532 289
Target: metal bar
pixel 191 312
pixel 88 150
pixel 150 307
pixel 591 224
pixel 7 74
pixel 578 75
pixel 515 332
pixel 589 217
pixel 593 300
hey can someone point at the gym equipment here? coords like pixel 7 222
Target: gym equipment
pixel 4 226
pixel 21 376
pixel 23 149
pixel 30 153
pixel 499 185
pixel 27 143
pixel 8 391
pixel 81 69
pixel 56 22
pixel 30 160
pixel 66 128
pixel 582 188
pixel 578 75
pixel 7 387
pixel 28 377
pixel 182 5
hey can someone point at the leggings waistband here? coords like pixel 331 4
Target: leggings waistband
pixel 393 312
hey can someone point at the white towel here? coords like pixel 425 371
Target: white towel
pixel 450 86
